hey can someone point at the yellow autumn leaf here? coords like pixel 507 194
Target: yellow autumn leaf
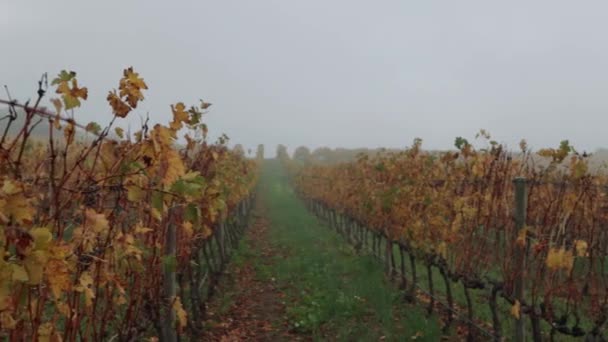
pixel 97 221
pixel 19 208
pixel 85 285
pixel 191 175
pixel 581 248
pixel 44 332
pixel 142 230
pixel 131 86
pixel 34 265
pixel 172 166
pixel 120 300
pixel 442 250
pixel 164 135
pixel 63 308
pixel 71 95
pixel 521 237
pixel 86 279
pixel 180 313
pixel 119 132
pixel 7 321
pixel 559 258
pixel 579 168
pixel 206 231
pixel 552 260
pixel 78 92
pixel 19 273
pixel 135 193
pixel 179 116
pixel 48 333
pixel 42 238
pixel 516 309
pixel 119 108
pixel 568 260
pixel 10 187
pixel 156 214
pixel 187 226
pixel 478 168
pixel 58 274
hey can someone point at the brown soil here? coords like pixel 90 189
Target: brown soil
pixel 256 311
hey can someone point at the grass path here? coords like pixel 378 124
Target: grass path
pixel 294 279
pixel 249 306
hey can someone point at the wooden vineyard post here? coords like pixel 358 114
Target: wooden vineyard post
pixel 169 280
pixel 521 198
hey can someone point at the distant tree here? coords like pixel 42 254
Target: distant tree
pixel 260 152
pixel 302 154
pixel 323 155
pixel 282 152
pixel 238 149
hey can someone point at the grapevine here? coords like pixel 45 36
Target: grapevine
pixel 454 211
pixel 86 217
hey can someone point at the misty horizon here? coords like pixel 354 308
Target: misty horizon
pixel 345 74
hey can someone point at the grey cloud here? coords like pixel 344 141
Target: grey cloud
pixel 332 73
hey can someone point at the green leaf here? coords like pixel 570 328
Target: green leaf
pixel 580 169
pixel 221 206
pixel 169 263
pixel 157 201
pixel 195 116
pixel 93 127
pixel 192 213
pixel 119 132
pixel 564 145
pixel 128 167
pixel 460 143
pixel 191 186
pixel 63 76
pixel 70 102
pixel 179 187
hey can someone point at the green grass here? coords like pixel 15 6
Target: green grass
pixel 332 292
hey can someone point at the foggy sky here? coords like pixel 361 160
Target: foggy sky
pixel 331 73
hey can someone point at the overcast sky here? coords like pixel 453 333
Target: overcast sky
pixel 332 73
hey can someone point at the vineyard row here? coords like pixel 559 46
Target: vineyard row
pixel 538 242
